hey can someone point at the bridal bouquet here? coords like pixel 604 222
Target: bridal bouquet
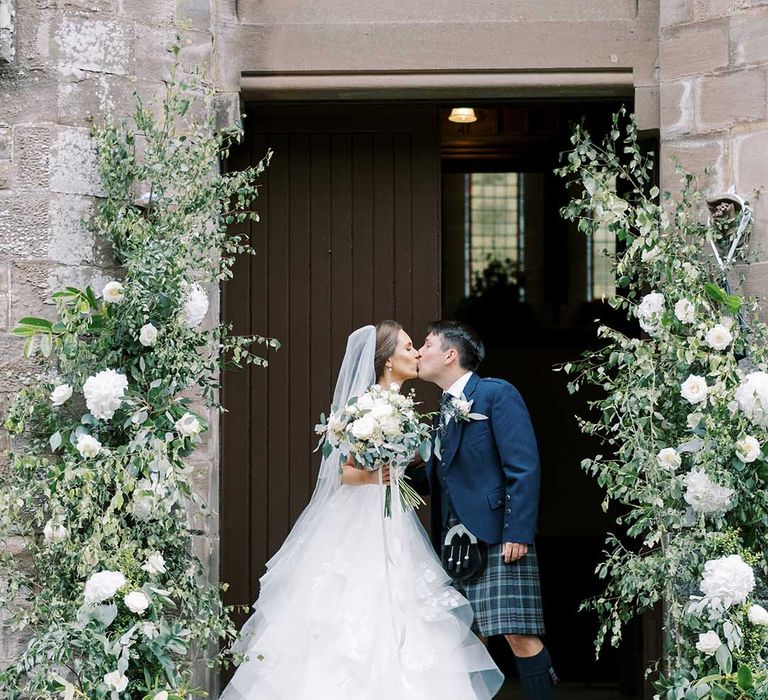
pixel 377 428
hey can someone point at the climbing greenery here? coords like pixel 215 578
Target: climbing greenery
pixel 683 416
pixel 103 529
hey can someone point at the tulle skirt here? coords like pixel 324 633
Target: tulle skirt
pixel 361 609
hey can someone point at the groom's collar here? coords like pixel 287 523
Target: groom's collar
pixel 457 388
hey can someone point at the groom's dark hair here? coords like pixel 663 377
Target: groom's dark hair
pixel 462 338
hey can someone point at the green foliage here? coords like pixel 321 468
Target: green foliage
pixel 91 491
pixel 656 435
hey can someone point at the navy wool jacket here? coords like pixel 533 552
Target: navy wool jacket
pixel 489 469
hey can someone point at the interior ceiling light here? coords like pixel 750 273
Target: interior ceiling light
pixel 462 115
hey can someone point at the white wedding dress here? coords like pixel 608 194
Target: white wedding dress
pixel 356 605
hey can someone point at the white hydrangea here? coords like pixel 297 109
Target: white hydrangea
pixel 727 581
pixel 188 425
pixel 718 337
pixel 752 397
pixel 668 458
pixel 136 601
pixel 694 389
pixel 685 311
pixel 148 335
pixel 709 643
pixel 650 310
pixel 704 495
pixel 104 393
pixel 748 449
pixel 195 305
pixel 757 615
pixel 61 394
pixel 87 445
pixel 113 292
pixel 116 681
pixel 155 564
pixel 102 586
pixel 55 532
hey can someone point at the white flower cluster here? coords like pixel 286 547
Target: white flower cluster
pixel 650 311
pixel 104 393
pixel 704 495
pixel 668 458
pixel 727 581
pixel 103 586
pixel 752 398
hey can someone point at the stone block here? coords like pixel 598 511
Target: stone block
pixel 725 100
pixel 71 242
pixel 15 370
pixel 677 106
pixel 162 12
pixel 197 13
pixel 26 97
pixel 83 95
pixel 693 51
pixel 675 12
pixel 695 156
pixel 104 46
pixel 5 296
pixel 24 229
pixel 751 173
pixel 6 142
pixel 749 37
pixel 75 163
pixel 31 156
pixel 6 180
pixel 33 37
pixel 151 43
pixel 707 9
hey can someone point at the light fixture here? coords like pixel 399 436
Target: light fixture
pixel 462 115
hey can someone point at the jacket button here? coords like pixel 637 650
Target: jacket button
pixel 508 496
pixel 508 510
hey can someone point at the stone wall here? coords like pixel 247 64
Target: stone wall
pixel 61 63
pixel 713 76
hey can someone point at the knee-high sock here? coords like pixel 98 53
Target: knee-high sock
pixel 537 675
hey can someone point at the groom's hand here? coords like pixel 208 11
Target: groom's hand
pixel 514 551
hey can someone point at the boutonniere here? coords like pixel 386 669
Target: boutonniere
pixel 460 409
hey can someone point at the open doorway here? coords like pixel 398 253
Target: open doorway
pixel 532 286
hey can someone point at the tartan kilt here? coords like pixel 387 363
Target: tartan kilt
pixel 506 598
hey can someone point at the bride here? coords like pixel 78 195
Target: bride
pixel 356 605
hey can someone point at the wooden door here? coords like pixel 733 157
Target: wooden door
pixel 349 235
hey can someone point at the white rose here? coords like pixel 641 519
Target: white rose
pixel 650 310
pixel 748 449
pixel 757 615
pixel 718 337
pixel 390 426
pixel 116 681
pixel 155 564
pixel 195 305
pixel 668 458
pixel 694 419
pixel 148 335
pixel 87 445
pixel 136 602
pixel 104 393
pixel 112 292
pixel 61 394
pixel 55 533
pixel 727 581
pixel 709 642
pixel 694 389
pixel 704 495
pixel 685 311
pixel 188 425
pixel 102 586
pixel 752 397
pixel 364 428
pixel 365 402
pixel 382 409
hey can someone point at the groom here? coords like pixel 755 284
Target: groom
pixel 487 478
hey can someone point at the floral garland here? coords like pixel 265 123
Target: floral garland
pixel 684 415
pixel 99 512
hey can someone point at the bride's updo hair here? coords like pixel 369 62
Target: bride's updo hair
pixel 387 333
